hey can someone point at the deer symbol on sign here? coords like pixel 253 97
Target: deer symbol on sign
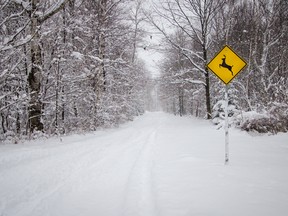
pixel 229 67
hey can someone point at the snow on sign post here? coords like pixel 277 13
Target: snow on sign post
pixel 226 65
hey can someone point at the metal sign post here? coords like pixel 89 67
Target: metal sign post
pixel 226 65
pixel 226 127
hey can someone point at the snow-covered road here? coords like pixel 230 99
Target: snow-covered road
pixel 158 165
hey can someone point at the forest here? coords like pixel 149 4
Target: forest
pixel 72 66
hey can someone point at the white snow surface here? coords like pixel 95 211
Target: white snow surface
pixel 157 165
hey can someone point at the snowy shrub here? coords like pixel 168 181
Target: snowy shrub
pixel 266 124
pixel 38 134
pixel 9 136
pixel 218 112
pixel 273 121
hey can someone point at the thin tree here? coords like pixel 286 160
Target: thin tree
pixel 194 18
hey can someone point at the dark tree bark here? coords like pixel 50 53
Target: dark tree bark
pixel 102 13
pixel 34 77
pixel 35 74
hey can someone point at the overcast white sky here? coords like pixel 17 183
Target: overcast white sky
pixel 151 42
pixel 151 57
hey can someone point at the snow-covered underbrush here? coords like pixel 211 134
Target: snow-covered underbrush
pixel 273 121
pixel 265 124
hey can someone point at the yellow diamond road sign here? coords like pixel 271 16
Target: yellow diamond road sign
pixel 226 64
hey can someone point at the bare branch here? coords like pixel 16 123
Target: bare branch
pixel 53 10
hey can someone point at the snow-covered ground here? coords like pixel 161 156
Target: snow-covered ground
pixel 158 165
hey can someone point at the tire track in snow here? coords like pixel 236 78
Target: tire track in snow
pixel 40 170
pixel 67 165
pixel 98 169
pixel 140 198
pixel 93 165
pixel 112 168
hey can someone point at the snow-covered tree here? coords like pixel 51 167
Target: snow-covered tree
pixel 66 66
pixel 194 18
pixel 260 38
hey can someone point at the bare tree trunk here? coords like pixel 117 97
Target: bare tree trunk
pixel 137 20
pixel 101 44
pixel 99 82
pixel 3 123
pixel 207 86
pixel 34 76
pixel 57 88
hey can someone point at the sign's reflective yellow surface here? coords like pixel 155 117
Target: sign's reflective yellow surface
pixel 226 64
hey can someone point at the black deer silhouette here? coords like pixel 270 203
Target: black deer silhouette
pixel 229 67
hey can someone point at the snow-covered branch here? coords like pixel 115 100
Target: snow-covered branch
pixel 53 10
pixel 10 39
